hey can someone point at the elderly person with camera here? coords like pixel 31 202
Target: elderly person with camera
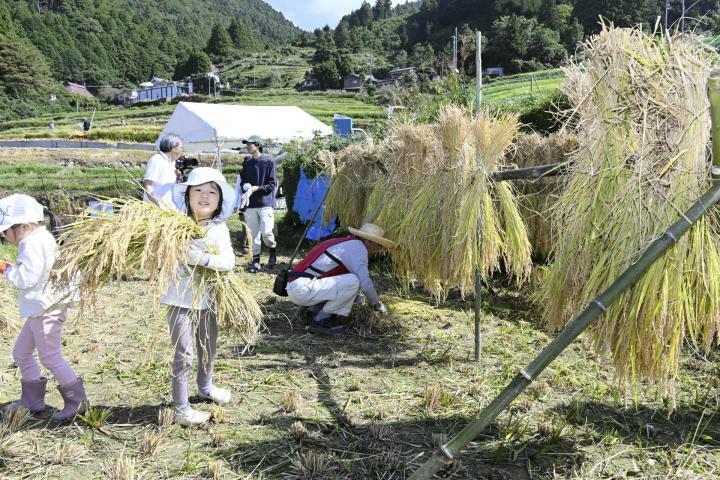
pixel 161 173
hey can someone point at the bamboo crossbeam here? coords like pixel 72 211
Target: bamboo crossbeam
pixel 540 171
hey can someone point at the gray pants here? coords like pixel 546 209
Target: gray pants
pixel 261 222
pixel 188 327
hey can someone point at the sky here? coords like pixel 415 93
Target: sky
pixel 312 14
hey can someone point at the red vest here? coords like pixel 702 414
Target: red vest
pixel 306 269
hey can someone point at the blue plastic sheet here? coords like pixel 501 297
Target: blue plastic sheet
pixel 310 192
pixel 97 207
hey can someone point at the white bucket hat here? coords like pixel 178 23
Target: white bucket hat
pixel 19 208
pixel 201 175
pixel 370 231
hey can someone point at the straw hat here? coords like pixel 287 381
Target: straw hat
pixel 201 175
pixel 18 208
pixel 370 231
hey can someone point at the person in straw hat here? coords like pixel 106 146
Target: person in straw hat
pixel 330 276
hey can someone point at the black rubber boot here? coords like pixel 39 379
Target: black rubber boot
pixel 272 259
pixel 255 267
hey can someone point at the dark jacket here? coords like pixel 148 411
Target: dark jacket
pixel 260 172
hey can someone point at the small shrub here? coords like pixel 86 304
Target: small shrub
pixel 95 418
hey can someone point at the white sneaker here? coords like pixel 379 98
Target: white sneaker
pixel 187 417
pixel 216 395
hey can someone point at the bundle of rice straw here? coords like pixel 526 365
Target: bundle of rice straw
pixel 353 171
pixel 538 195
pixel 136 236
pixel 9 314
pixel 437 188
pixel 643 129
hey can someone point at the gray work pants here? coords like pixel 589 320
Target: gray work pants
pixel 188 327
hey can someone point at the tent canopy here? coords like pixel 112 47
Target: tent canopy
pixel 208 127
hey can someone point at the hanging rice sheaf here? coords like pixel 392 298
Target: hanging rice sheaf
pixel 139 236
pixel 353 171
pixel 643 131
pixel 436 199
pixel 536 196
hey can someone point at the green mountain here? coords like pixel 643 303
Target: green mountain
pixel 101 42
pixel 519 35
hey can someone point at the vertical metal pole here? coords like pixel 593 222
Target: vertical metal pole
pixel 478 73
pixel 478 273
pixel 682 18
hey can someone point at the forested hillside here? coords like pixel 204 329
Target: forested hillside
pixel 120 41
pixel 107 44
pixel 521 35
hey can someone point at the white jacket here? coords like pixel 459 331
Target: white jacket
pixel 30 273
pixel 222 258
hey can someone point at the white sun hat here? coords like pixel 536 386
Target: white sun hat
pixel 370 231
pixel 19 208
pixel 198 176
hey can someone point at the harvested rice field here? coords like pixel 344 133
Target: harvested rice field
pixel 367 405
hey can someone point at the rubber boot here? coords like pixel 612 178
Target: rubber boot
pixel 75 401
pixel 272 259
pixel 255 267
pixel 33 395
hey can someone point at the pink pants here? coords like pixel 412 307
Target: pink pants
pixel 42 332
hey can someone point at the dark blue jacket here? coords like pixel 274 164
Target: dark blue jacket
pixel 260 172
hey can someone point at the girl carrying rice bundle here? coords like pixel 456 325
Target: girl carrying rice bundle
pixel 188 255
pixel 642 129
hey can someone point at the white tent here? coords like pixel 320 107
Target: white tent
pixel 211 127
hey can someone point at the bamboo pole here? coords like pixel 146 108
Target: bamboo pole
pixel 714 96
pixel 551 170
pixel 450 450
pixel 478 273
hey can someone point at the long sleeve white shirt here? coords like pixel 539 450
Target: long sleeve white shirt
pixel 30 272
pixel 181 292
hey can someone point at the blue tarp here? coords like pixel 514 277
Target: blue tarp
pixel 310 191
pixel 97 207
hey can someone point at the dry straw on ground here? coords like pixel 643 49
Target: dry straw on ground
pixel 641 109
pixel 140 237
pixel 437 201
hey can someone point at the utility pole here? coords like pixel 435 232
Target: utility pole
pixel 455 40
pixel 667 9
pixel 682 18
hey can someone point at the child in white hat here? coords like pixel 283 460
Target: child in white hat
pixel 21 224
pixel 208 199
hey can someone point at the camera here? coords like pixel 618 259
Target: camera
pixel 183 166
